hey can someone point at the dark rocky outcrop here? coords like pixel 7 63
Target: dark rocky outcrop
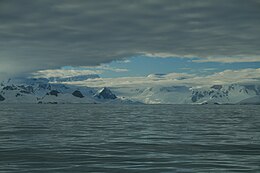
pixel 1 98
pixel 211 103
pixel 10 88
pixel 254 88
pixel 105 93
pixel 45 86
pixel 77 93
pixel 26 89
pixel 18 94
pixel 217 87
pixel 54 93
pixel 196 96
pixel 52 103
pixel 25 92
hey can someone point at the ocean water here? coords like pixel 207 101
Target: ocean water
pixel 136 138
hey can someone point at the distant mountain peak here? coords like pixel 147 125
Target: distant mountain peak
pixel 105 93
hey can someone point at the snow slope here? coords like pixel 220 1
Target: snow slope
pixel 42 91
pixel 219 94
pixel 252 100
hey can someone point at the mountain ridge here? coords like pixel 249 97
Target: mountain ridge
pixel 41 90
pixel 181 94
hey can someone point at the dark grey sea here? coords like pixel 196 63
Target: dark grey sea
pixel 135 138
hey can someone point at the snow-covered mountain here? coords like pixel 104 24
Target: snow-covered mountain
pixel 216 94
pixel 252 100
pixel 40 90
pixel 233 93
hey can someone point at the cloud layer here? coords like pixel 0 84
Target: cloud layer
pixel 244 76
pixel 66 72
pixel 38 34
pixel 61 73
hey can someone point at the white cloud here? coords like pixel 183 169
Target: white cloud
pixel 77 71
pixel 233 76
pixel 64 73
pixel 106 67
pixel 126 61
pixel 233 59
pixel 165 55
pixel 201 59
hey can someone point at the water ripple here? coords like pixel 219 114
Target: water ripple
pixel 143 138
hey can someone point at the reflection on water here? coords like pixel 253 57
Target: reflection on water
pixel 143 138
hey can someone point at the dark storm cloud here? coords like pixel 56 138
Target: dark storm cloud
pixel 39 34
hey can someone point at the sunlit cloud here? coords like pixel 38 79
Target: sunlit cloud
pixel 106 67
pixel 235 59
pixel 248 76
pixel 64 73
pixel 221 59
pixel 165 55
pixel 125 61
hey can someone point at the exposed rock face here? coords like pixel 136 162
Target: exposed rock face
pixel 77 93
pixel 44 86
pixel 20 88
pixel 26 89
pixel 254 88
pixel 10 88
pixel 18 94
pixel 105 93
pixel 54 93
pixel 2 98
pixel 217 87
pixel 196 96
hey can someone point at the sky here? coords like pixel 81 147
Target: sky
pixel 130 39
